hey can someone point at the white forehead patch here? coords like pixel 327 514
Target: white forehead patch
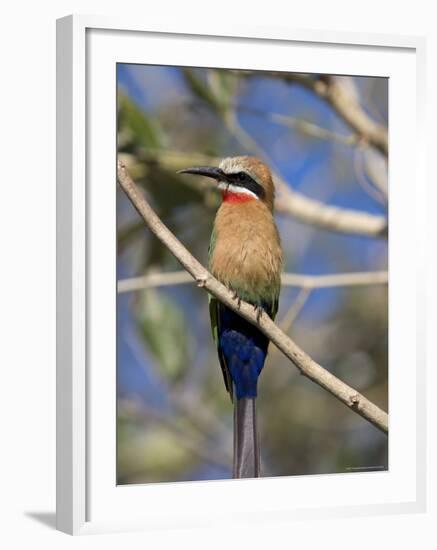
pixel 232 165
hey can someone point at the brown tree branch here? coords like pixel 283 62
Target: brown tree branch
pixel 334 218
pixel 288 202
pixel 347 395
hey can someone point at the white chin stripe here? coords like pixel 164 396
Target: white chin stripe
pixel 235 189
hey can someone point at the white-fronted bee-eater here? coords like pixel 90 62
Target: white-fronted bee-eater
pixel 245 255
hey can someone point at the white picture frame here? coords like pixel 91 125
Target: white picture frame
pixel 82 487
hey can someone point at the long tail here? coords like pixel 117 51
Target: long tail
pixel 246 448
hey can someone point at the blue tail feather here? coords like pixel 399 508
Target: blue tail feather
pixel 244 348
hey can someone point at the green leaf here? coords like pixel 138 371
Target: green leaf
pixel 164 330
pixel 201 89
pixel 148 451
pixel 223 85
pixel 136 127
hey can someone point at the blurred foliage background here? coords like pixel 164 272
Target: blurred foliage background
pixel 174 416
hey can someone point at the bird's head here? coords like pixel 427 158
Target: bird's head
pixel 240 179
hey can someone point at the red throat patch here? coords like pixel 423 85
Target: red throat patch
pixel 236 198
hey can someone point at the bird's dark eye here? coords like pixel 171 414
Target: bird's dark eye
pixel 242 176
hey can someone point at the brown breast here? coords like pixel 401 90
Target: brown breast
pixel 247 254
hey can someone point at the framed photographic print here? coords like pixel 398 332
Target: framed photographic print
pixel 235 314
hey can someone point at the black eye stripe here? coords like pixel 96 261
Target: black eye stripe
pixel 242 179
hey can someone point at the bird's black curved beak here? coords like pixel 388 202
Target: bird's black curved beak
pixel 206 171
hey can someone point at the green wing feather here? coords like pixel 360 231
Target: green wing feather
pixel 275 305
pixel 214 306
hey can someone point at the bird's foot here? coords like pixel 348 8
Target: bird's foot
pixel 236 297
pixel 259 311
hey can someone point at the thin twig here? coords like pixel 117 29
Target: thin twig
pixel 346 106
pixel 288 279
pixel 154 279
pixel 358 278
pixel 295 308
pixel 304 126
pixel 312 130
pixel 292 314
pixel 347 395
pixel 361 176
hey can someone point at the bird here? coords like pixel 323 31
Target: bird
pixel 245 255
